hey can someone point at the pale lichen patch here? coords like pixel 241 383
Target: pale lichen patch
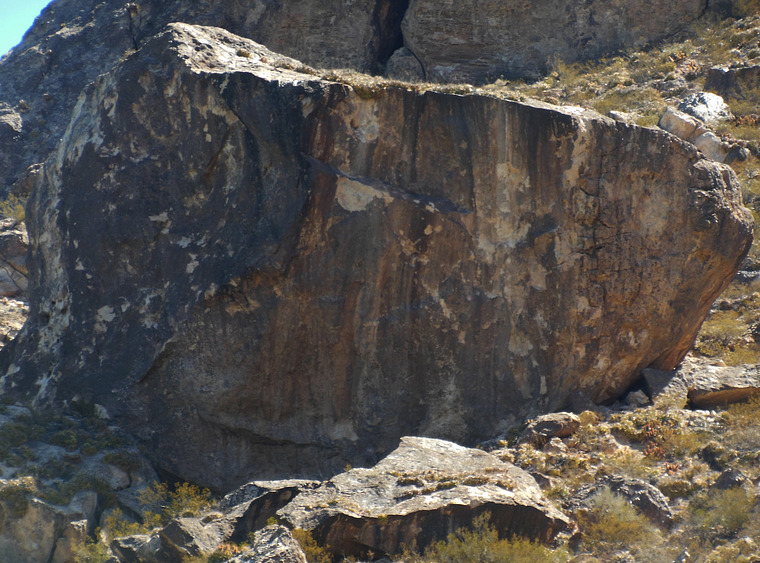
pixel 355 196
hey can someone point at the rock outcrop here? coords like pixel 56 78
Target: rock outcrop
pixel 475 41
pixel 239 258
pixel 703 386
pixel 735 83
pixel 693 130
pixel 420 493
pixel 645 497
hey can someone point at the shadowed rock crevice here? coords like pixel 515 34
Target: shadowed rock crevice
pixel 387 19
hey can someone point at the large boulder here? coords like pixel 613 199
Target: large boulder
pixel 260 271
pixel 420 493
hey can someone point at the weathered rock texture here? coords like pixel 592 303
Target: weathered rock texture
pixel 481 40
pixel 71 43
pixel 283 273
pixel 420 493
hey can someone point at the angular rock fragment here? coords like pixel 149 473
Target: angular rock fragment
pixel 421 492
pixel 706 106
pixel 287 274
pixel 693 130
pixel 248 508
pixel 273 544
pixel 547 426
pixel 735 83
pixel 647 498
pixel 141 548
pixel 714 386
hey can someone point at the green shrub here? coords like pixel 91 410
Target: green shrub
pixel 16 494
pixel 117 525
pixel 721 513
pixel 91 551
pixel 65 439
pixel 184 500
pixel 14 208
pixel 314 552
pixel 481 544
pixel 612 524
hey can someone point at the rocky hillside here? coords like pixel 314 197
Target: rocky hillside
pixel 263 269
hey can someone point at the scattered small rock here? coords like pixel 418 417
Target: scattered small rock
pixel 543 428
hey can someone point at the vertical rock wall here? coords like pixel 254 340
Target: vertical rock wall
pixel 481 40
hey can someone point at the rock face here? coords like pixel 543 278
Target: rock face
pixel 37 531
pixel 477 41
pixel 288 274
pixel 420 493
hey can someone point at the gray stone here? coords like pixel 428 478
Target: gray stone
pixel 682 125
pixel 35 530
pixel 273 544
pixel 707 107
pixel 190 537
pixel 71 43
pixel 712 147
pixel 141 548
pixel 691 129
pixel 714 386
pixel 729 479
pixel 636 399
pixel 702 385
pixel 418 494
pixel 304 276
pixel 249 508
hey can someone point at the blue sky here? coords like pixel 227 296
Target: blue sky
pixel 16 16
